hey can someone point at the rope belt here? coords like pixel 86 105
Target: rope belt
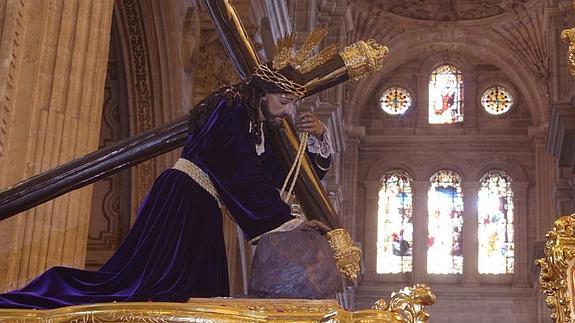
pixel 200 177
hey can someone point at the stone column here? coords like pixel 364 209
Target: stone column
pixel 470 227
pixel 350 159
pixel 422 121
pixel 563 193
pixel 545 166
pixel 54 55
pixel 371 224
pixel 336 15
pixel 470 106
pixel 420 234
pixel 522 265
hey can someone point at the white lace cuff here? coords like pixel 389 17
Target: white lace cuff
pixel 322 147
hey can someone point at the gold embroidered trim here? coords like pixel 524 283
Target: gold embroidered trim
pixel 199 176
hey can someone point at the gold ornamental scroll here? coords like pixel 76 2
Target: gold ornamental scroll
pixel 556 273
pixel 404 306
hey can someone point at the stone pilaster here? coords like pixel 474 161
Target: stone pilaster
pixel 52 86
pixel 422 100
pixel 560 144
pixel 470 106
pixel 371 223
pixel 470 228
pixel 522 266
pixel 420 232
pixel 545 167
pixel 349 174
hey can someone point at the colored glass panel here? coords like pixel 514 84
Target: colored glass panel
pixel 497 100
pixel 395 100
pixel 445 224
pixel 394 224
pixel 445 95
pixel 495 231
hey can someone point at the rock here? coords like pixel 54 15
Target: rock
pixel 294 264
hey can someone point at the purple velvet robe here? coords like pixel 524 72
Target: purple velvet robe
pixel 175 250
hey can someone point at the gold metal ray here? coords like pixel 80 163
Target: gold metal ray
pixel 305 51
pixel 283 51
pixel 325 55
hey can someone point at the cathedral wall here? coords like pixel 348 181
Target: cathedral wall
pixel 455 306
pixel 507 49
pixel 54 55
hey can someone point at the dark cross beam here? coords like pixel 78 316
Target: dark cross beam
pixel 134 150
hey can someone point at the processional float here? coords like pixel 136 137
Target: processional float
pixel 557 268
pixel 355 60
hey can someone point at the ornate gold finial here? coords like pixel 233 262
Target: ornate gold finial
pixel 568 36
pixel 409 302
pixel 363 57
pixel 302 60
pixel 554 277
pixel 346 254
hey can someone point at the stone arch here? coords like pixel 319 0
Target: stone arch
pixel 153 88
pixel 445 58
pixel 434 168
pixel 380 167
pixel 413 45
pixel 516 172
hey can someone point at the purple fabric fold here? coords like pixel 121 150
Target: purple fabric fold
pixel 175 250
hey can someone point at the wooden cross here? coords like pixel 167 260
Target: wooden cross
pixel 134 150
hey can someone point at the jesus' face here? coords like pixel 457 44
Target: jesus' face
pixel 276 107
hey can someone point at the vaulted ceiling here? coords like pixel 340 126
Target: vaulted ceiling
pixel 510 34
pixel 449 10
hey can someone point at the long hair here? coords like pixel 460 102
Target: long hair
pixel 247 93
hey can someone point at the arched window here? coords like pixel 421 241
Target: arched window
pixel 445 224
pixel 445 95
pixel 394 224
pixel 495 232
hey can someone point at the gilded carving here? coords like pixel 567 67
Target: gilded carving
pixel 212 68
pixel 346 254
pixel 405 306
pixel 568 36
pixel 363 57
pixel 553 277
pixel 140 62
pixel 142 91
pixel 410 303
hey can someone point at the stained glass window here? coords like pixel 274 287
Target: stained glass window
pixel 497 100
pixel 446 95
pixel 445 224
pixel 395 100
pixel 394 224
pixel 495 235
